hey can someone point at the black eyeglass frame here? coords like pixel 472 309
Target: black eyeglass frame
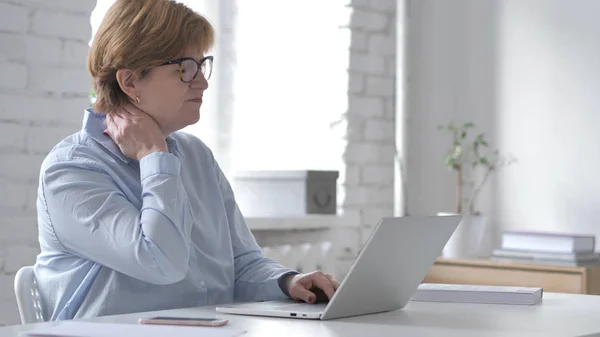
pixel 180 60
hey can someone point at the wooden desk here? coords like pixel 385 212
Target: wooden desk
pixel 575 280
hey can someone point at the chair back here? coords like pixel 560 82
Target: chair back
pixel 28 296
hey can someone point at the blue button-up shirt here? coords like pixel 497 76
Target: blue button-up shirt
pixel 120 236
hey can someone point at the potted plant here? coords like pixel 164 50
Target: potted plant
pixel 473 163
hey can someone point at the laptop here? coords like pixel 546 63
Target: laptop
pixel 392 264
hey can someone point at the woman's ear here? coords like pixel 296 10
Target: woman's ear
pixel 127 81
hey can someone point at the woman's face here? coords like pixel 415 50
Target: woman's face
pixel 163 95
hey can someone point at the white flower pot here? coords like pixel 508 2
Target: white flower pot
pixel 469 240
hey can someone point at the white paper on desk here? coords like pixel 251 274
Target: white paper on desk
pixel 89 329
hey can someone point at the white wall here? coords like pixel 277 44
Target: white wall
pixel 451 66
pixel 526 72
pixel 44 88
pixel 549 114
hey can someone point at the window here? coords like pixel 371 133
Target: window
pixel 291 84
pixel 98 13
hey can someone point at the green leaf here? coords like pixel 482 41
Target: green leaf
pixel 458 151
pixel 450 162
pixel 468 125
pixel 463 135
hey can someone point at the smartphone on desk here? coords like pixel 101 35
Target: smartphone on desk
pixel 185 321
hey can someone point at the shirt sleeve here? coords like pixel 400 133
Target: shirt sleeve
pixel 257 278
pixel 92 218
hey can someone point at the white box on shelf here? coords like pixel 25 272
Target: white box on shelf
pixel 464 293
pixel 286 193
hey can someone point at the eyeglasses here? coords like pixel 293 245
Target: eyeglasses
pixel 188 67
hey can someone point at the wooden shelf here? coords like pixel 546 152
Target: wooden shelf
pixel 301 223
pixel 508 265
pixel 576 279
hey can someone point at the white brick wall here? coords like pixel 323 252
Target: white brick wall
pixel 44 87
pixel 367 186
pixel 14 18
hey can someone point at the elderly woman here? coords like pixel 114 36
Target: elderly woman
pixel 134 215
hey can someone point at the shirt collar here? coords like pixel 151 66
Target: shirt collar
pixel 93 125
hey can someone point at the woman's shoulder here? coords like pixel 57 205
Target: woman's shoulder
pixel 76 150
pixel 191 145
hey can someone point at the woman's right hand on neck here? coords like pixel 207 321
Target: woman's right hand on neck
pixel 135 132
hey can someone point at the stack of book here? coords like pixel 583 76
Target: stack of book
pixel 547 248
